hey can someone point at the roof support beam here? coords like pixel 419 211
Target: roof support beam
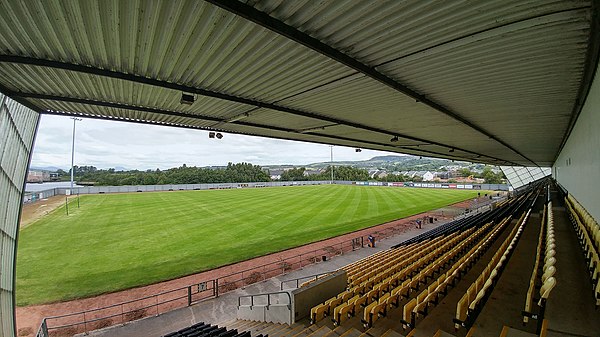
pixel 19 99
pixel 208 93
pixel 219 121
pixel 263 19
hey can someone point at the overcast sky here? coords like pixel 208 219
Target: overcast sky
pixel 109 144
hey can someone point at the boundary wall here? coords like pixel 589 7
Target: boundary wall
pixel 34 196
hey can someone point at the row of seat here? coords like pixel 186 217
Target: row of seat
pixel 380 282
pixel 588 232
pixel 534 275
pixel 383 261
pixel 359 264
pixel 447 228
pixel 206 330
pixel 429 297
pixel 425 277
pixel 433 287
pixel 546 245
pixel 397 260
pixel 468 253
pixel 377 280
pixel 469 304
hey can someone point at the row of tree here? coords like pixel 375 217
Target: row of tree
pixel 241 173
pixel 339 173
pixel 233 173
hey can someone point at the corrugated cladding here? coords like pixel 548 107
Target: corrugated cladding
pixel 17 129
pixel 363 100
pixel 490 62
pixel 508 72
pixel 377 32
pixel 78 85
pixel 186 42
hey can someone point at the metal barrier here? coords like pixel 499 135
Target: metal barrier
pixel 121 313
pixel 307 278
pixel 268 304
pixel 43 330
pixel 268 295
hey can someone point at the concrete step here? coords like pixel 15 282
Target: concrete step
pixel 512 332
pixel 295 329
pixel 392 333
pixel 243 325
pixel 442 333
pixel 275 329
pixel 321 332
pixel 352 332
pixel 374 331
pixel 307 331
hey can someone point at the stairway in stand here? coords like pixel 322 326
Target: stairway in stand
pixel 301 329
pixel 322 329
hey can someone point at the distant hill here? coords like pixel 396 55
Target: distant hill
pixel 389 163
pixel 45 168
pixel 396 163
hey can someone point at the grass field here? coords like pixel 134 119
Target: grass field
pixel 119 241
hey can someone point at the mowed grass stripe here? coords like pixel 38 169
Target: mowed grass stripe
pixel 119 241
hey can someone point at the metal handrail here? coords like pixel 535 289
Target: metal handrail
pixel 253 296
pixel 43 330
pixel 312 277
pixel 289 304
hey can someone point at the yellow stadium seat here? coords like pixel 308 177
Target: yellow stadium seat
pixel 317 313
pixel 407 312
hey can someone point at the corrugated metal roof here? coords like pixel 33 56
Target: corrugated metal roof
pixel 187 42
pixel 378 32
pixel 78 85
pixel 491 64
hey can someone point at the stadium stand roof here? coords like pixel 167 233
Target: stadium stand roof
pixel 498 82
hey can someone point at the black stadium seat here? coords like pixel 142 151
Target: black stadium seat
pixel 206 330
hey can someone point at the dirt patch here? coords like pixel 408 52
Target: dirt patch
pixel 135 315
pixel 36 210
pixel 31 316
pixel 25 332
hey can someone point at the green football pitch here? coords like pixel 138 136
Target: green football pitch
pixel 120 241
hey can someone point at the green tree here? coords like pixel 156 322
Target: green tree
pixel 490 177
pixel 465 172
pixel 295 174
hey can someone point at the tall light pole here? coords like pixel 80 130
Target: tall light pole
pixel 75 119
pixel 331 147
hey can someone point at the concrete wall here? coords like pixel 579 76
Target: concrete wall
pixel 269 307
pixel 577 168
pixel 17 131
pixel 189 187
pixel 303 299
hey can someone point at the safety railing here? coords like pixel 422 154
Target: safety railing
pixel 43 330
pixel 296 281
pixel 269 300
pixel 253 298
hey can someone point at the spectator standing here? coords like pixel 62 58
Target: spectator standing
pixel 371 241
